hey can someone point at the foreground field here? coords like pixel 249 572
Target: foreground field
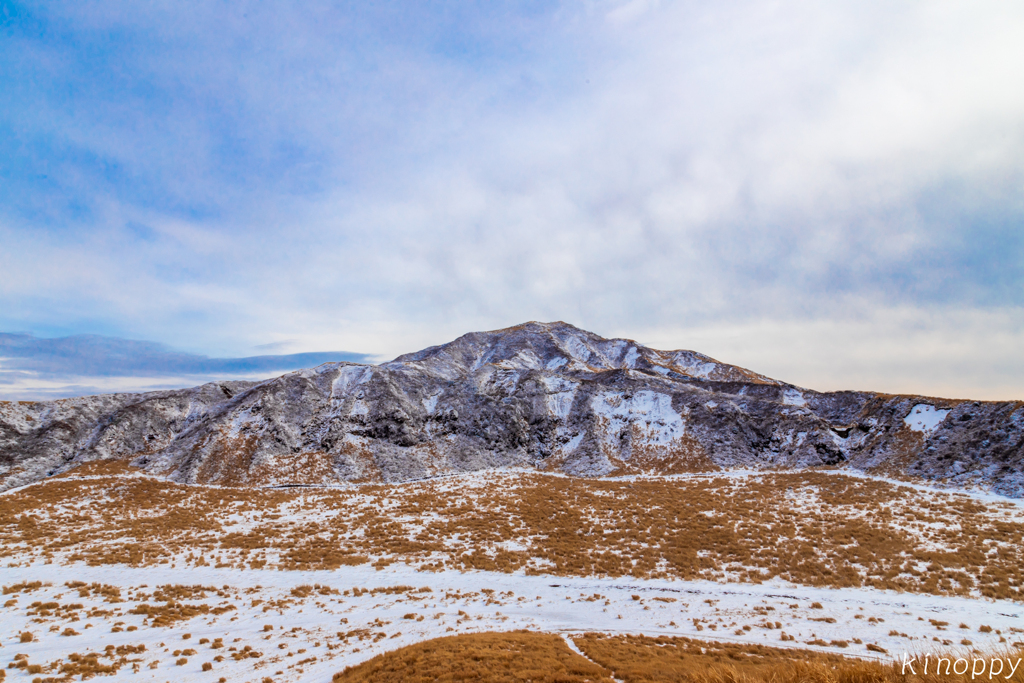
pixel 247 625
pixel 108 571
pixel 597 658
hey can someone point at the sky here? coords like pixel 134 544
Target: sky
pixel 828 193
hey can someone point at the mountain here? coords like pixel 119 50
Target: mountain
pixel 542 395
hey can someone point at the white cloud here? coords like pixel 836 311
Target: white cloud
pixel 695 166
pixel 900 350
pixel 630 11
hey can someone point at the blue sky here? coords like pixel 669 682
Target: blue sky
pixel 829 193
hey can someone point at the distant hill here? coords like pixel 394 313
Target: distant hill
pixel 541 395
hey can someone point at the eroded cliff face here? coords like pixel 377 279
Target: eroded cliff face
pixel 543 395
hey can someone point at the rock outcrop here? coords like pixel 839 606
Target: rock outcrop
pixel 542 395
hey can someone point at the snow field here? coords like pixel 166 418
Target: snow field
pixel 312 626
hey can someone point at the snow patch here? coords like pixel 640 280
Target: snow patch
pixel 693 367
pixel 560 399
pixel 348 377
pixel 556 363
pixel 430 403
pixel 572 646
pixel 560 404
pixel 793 397
pixel 577 349
pixel 526 360
pixel 648 412
pixel 925 418
pixel 574 442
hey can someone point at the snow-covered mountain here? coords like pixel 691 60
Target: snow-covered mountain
pixel 544 395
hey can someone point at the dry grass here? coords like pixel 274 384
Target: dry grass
pixel 811 528
pixel 173 612
pixel 24 586
pixel 495 657
pixel 640 659
pixel 84 666
pixel 526 656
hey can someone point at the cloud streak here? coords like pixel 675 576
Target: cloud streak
pixel 52 368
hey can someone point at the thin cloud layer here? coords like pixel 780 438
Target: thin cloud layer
pixel 388 177
pixel 33 368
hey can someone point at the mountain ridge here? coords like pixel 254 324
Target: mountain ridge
pixel 544 395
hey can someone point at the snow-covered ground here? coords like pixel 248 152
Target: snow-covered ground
pixel 307 639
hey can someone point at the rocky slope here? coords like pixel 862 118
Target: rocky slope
pixel 544 395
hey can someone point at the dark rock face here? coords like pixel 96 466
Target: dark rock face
pixel 548 396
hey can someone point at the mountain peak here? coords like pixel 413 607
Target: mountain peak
pixel 566 348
